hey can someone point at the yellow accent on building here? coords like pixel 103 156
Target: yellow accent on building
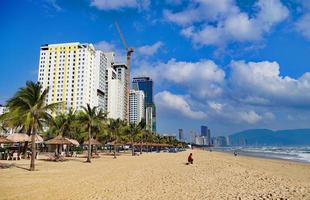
pixel 64 93
pixel 45 84
pixel 56 75
pixel 74 106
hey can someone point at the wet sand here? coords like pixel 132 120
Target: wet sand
pixel 213 175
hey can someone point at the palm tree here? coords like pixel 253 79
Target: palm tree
pixel 62 125
pixel 92 118
pixel 115 127
pixel 142 126
pixel 133 131
pixel 28 107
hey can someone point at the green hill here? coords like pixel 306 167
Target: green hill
pixel 268 137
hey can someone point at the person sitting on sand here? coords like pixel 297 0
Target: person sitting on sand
pixel 190 159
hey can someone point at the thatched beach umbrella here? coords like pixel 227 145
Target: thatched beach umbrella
pixel 74 142
pixel 19 137
pixel 92 142
pixel 58 140
pixel 38 139
pixel 4 140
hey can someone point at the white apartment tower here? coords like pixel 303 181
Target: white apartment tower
pixel 136 106
pixel 77 75
pixel 114 86
pixel 72 75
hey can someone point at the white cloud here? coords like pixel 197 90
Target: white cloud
pixel 261 83
pixel 219 22
pixel 269 116
pixel 303 25
pixel 150 50
pixel 177 104
pixel 104 46
pixel 120 4
pixel 202 79
pixel 120 55
pixel 250 117
pixel 217 107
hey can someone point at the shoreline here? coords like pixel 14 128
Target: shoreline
pixel 260 155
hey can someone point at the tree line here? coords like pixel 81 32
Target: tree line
pixel 29 113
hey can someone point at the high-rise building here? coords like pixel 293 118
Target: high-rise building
pixel 69 71
pixel 204 131
pixel 115 85
pixel 181 135
pixel 77 75
pixel 146 85
pixel 136 106
pixel 123 101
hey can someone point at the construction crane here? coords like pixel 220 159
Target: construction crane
pixel 129 52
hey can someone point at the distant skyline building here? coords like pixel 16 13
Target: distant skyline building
pixel 220 141
pixel 206 133
pixel 136 106
pixel 203 131
pixel 147 86
pixel 181 134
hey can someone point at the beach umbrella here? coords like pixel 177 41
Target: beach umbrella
pixel 58 140
pixel 19 137
pixel 92 142
pixel 4 140
pixel 74 142
pixel 38 139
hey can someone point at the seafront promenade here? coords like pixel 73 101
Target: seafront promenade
pixel 213 175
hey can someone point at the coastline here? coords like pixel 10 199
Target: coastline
pixel 214 175
pixel 264 155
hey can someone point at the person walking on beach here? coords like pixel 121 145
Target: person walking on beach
pixel 190 159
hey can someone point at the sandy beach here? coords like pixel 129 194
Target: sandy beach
pixel 162 176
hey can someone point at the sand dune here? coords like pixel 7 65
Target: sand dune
pixel 159 176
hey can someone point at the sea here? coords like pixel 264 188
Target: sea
pixel 296 153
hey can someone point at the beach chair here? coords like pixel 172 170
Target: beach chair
pixel 8 156
pixel 15 156
pixel 74 154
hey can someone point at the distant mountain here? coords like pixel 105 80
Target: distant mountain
pixel 273 138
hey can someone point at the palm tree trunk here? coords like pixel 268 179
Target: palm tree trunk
pixel 89 145
pixel 115 146
pixel 33 149
pixel 132 147
pixel 26 144
pixel 114 150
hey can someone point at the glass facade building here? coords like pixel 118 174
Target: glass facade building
pixel 146 85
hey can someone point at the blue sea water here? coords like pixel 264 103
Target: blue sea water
pixel 299 154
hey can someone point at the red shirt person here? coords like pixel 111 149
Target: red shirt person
pixel 190 158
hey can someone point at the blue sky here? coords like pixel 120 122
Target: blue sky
pixel 228 64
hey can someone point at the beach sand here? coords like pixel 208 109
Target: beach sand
pixel 161 176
